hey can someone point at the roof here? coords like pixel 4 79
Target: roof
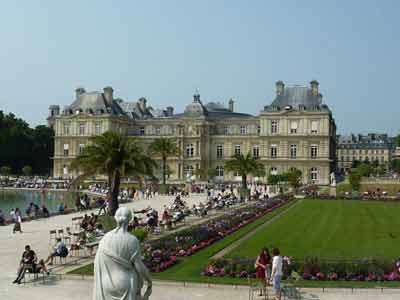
pixel 93 103
pixel 298 98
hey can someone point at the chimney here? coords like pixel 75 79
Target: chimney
pixel 108 93
pixel 279 87
pixel 231 102
pixel 54 110
pixel 196 97
pixel 79 91
pixel 142 104
pixel 170 111
pixel 314 88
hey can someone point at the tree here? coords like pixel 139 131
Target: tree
pixel 355 179
pixel 206 173
pixel 396 165
pixel 245 165
pixel 293 177
pixel 113 155
pixel 5 170
pixel 164 147
pixel 27 170
pixel 364 169
pixel 398 140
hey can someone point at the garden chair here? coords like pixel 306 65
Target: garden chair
pixel 255 287
pixel 289 292
pixel 53 236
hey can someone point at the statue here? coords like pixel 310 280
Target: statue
pixel 333 179
pixel 119 272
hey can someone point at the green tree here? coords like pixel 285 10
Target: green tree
pixel 397 140
pixel 293 177
pixel 275 179
pixel 27 170
pixel 245 165
pixel 5 170
pixel 164 147
pixel 395 164
pixel 355 179
pixel 365 169
pixel 113 155
pixel 206 173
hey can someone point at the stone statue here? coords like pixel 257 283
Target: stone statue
pixel 333 179
pixel 119 272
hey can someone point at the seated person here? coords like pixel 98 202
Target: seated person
pixel 2 218
pixel 59 250
pixel 28 261
pixel 61 207
pixel 45 211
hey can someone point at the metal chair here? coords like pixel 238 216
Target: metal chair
pixel 53 237
pixel 256 287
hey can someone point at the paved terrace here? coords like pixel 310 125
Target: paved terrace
pixel 36 233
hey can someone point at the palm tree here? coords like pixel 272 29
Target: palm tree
pixel 163 147
pixel 113 155
pixel 244 165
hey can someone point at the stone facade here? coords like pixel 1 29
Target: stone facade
pixel 372 147
pixel 296 130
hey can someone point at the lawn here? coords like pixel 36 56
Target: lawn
pixel 331 229
pixel 190 268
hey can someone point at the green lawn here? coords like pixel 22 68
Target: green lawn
pixel 190 268
pixel 331 229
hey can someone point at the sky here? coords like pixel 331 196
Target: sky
pixel 165 50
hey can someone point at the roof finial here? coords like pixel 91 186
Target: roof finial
pixel 196 96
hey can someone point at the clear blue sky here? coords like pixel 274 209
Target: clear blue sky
pixel 164 50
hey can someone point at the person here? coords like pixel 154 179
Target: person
pixel 17 218
pixel 28 261
pixel 59 250
pixel 276 274
pixel 102 206
pixel 263 263
pixel 2 218
pixel 36 210
pixel 61 207
pixel 45 211
pixel 119 272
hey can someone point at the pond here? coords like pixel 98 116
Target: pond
pixel 10 199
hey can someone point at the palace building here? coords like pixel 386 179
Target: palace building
pixel 296 130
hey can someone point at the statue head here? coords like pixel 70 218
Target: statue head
pixel 123 216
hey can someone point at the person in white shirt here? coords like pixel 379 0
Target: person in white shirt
pixel 276 274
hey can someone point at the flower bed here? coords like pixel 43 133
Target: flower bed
pixel 164 253
pixel 313 268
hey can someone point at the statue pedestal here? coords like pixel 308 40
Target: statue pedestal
pixel 332 191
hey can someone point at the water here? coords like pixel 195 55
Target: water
pixel 10 199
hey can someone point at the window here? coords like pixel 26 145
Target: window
pixel 66 149
pixel 82 128
pixel 189 150
pixel 81 147
pixel 314 151
pixel 274 151
pixel 256 151
pixel 219 171
pixel 274 126
pixel 314 175
pixel 158 130
pixel 66 128
pixel 97 128
pixel 226 130
pixel 258 129
pixel 141 130
pixel 236 173
pixel 220 151
pixel 237 149
pixel 65 170
pixel 293 126
pixel 314 127
pixel 293 151
pixel 188 171
pixel 273 171
pixel 243 129
pixel 342 158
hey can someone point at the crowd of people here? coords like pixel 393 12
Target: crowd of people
pixel 35 182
